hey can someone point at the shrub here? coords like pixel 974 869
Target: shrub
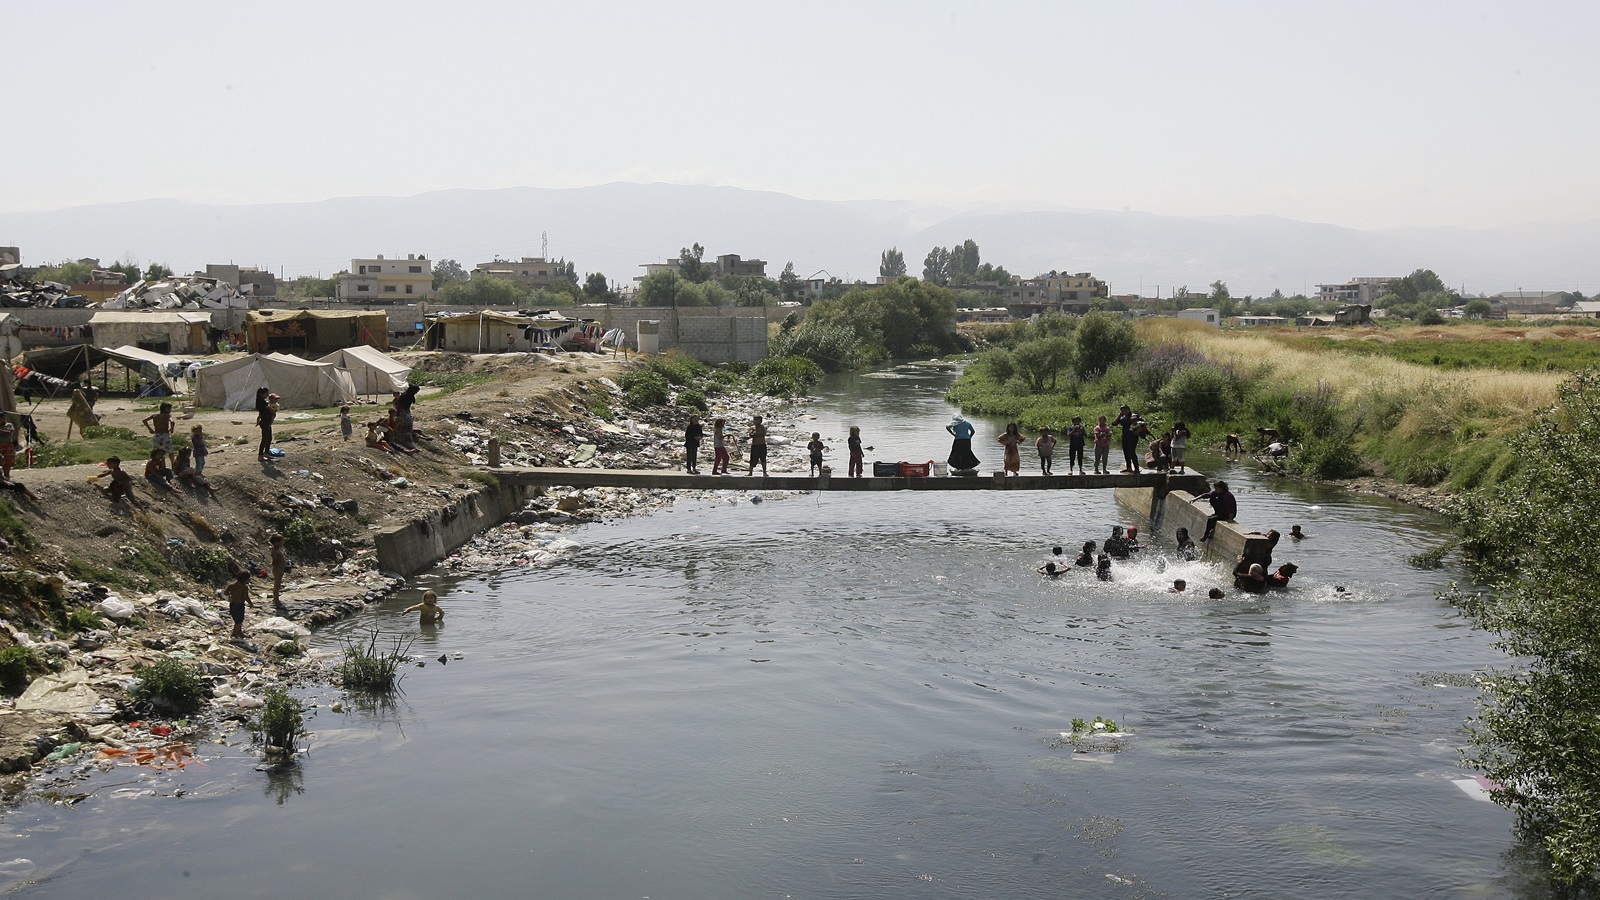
pixel 644 387
pixel 1199 393
pixel 367 668
pixel 1326 458
pixel 83 619
pixel 18 665
pixel 835 347
pixel 300 536
pixel 211 565
pixel 171 685
pixel 786 376
pixel 677 367
pixel 691 400
pixel 1151 368
pixel 281 723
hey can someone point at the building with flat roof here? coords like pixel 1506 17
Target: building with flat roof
pixel 1053 292
pixel 1363 290
pixel 533 270
pixel 380 280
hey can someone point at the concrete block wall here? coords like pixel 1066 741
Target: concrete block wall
pixel 410 548
pixel 1179 509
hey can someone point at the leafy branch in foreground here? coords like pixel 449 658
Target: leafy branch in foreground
pixel 1537 732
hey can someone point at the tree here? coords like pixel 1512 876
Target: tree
pixel 307 287
pixel 897 317
pixel 1222 301
pixel 660 289
pixel 690 265
pixel 1103 340
pixel 598 289
pixel 936 266
pixel 892 264
pixel 129 269
pixel 156 272
pixel 447 270
pixel 1041 362
pixel 789 283
pixel 1477 309
pixel 68 272
pixel 1537 731
pixel 751 290
pixel 485 290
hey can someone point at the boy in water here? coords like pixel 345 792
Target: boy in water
pixel 238 594
pixel 429 611
pixel 1049 570
pixel 1046 445
pixel 815 448
pixel 280 564
pixel 1178 586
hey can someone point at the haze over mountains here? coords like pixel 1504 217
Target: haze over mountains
pixel 615 228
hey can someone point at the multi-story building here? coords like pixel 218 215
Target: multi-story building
pixel 1054 292
pixel 731 264
pixel 1363 290
pixel 380 280
pixel 534 270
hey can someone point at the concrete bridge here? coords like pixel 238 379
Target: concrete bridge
pixel 1155 483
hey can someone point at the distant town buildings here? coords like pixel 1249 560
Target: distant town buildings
pixel 726 264
pixel 380 280
pixel 1532 303
pixel 1363 290
pixel 1054 293
pixel 532 270
pixel 1207 315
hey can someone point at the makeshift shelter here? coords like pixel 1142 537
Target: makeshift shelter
pixel 314 331
pixel 496 332
pixel 370 370
pixel 156 368
pixel 299 383
pixel 160 331
pixel 10 344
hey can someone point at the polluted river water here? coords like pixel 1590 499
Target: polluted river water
pixel 860 695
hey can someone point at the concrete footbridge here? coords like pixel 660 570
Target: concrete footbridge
pixel 1158 484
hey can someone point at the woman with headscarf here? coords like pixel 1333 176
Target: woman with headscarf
pixel 961 458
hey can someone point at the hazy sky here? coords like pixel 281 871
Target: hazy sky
pixel 1366 114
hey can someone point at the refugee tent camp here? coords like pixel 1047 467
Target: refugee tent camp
pixel 370 370
pixel 163 332
pixel 314 330
pixel 299 383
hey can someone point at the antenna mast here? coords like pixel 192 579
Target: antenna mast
pixel 544 245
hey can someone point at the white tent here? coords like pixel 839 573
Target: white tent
pixel 298 383
pixel 370 369
pixel 163 332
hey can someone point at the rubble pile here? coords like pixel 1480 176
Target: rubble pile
pixel 21 293
pixel 180 292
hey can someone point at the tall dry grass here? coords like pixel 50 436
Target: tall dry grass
pixel 1420 399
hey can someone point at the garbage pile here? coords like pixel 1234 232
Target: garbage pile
pixel 21 293
pixel 181 292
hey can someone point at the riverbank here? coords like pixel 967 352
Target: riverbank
pixel 95 591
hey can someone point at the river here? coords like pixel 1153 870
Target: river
pixel 841 695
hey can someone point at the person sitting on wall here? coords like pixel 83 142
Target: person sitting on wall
pixel 1224 508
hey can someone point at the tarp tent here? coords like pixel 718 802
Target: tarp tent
pixel 314 330
pixel 157 368
pixel 495 332
pixel 163 332
pixel 370 370
pixel 299 383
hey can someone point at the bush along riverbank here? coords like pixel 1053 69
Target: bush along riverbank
pixel 1343 414
pixel 1537 589
pixel 114 640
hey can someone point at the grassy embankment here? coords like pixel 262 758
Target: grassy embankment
pixel 1350 400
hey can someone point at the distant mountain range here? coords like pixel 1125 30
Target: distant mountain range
pixel 615 228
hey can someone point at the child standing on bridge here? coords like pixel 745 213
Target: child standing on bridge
pixel 719 446
pixel 1075 436
pixel 1046 445
pixel 815 448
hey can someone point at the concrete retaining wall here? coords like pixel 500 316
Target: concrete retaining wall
pixel 1179 510
pixel 410 548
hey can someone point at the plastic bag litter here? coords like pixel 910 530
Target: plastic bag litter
pixel 245 701
pixel 115 608
pixel 178 607
pixel 66 691
pixel 283 628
